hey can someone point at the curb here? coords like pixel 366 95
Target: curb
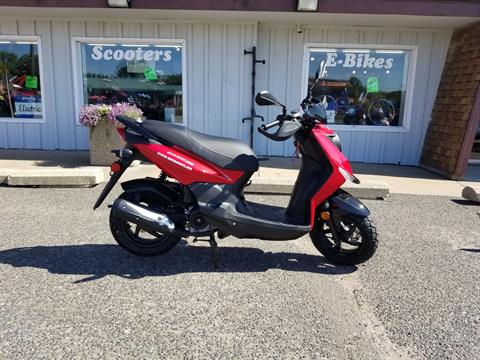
pixel 52 177
pixel 366 190
pixel 88 177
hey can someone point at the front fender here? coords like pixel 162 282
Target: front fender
pixel 343 203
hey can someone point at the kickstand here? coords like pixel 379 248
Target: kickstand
pixel 214 246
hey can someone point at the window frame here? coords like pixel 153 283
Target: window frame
pixel 77 65
pixel 38 40
pixel 412 65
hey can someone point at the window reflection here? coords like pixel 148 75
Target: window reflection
pixel 361 86
pixel 20 92
pixel 149 76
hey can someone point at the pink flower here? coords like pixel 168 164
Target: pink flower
pixel 90 115
pixel 125 109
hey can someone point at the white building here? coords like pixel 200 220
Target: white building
pixel 188 66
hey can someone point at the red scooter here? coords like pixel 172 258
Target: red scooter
pixel 206 198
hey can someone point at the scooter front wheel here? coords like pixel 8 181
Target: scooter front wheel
pixel 353 239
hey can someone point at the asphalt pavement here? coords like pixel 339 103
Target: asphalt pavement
pixel 68 291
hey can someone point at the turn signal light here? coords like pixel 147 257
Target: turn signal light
pixel 115 167
pixel 325 215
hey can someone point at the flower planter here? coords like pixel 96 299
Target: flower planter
pixel 103 139
pixel 101 120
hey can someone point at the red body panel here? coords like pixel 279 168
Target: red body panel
pixel 186 168
pixel 336 179
pixel 324 129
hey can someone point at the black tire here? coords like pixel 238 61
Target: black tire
pixel 381 112
pixel 358 255
pixel 128 239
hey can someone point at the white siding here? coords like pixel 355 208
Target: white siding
pixel 218 80
pixel 217 76
pixel 282 47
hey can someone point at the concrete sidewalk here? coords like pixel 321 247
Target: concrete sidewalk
pixel 398 179
pixel 276 175
pixel 49 168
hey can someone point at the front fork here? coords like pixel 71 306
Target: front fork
pixel 337 206
pixel 326 214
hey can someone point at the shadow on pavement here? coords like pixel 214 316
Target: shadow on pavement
pixel 471 250
pixel 464 202
pixel 99 260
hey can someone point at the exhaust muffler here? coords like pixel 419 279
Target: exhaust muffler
pixel 143 216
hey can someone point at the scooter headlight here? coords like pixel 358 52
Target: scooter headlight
pixel 347 175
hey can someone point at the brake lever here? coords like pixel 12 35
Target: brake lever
pixel 262 130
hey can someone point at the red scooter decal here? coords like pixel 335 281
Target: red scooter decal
pixel 185 167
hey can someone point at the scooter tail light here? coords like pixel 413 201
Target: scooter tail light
pixel 115 167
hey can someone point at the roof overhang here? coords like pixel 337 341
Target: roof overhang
pixel 306 18
pixel 468 8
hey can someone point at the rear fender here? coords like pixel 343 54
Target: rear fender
pixel 342 203
pixel 157 190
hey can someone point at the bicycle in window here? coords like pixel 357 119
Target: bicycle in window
pixel 370 109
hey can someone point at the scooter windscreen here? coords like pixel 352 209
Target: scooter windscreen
pixel 316 111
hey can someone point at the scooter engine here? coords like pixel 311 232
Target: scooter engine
pixel 197 222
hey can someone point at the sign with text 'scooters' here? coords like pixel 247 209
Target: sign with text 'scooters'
pixel 107 53
pixel 27 106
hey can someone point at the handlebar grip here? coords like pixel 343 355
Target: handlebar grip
pixel 263 130
pixel 270 125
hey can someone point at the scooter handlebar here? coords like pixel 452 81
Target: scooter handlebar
pixel 263 130
pixel 270 125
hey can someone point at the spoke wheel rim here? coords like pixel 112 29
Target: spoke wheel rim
pixel 350 235
pixel 143 237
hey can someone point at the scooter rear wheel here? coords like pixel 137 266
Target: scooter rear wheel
pixel 358 236
pixel 140 241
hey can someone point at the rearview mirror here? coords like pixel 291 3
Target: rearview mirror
pixel 320 73
pixel 324 102
pixel 264 98
pixel 321 70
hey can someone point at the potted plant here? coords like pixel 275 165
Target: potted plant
pixel 102 124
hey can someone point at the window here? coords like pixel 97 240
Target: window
pixel 20 89
pixel 148 75
pixel 362 86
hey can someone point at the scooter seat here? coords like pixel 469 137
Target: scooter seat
pixel 224 152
